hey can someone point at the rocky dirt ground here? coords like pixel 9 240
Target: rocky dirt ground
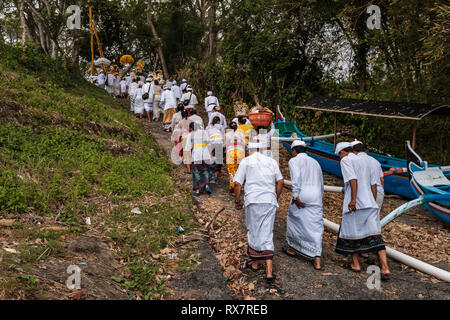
pixel 416 233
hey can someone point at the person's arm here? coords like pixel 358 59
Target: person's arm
pixel 374 191
pixel 295 186
pixel 237 193
pixel 279 187
pixel 239 179
pixel 354 191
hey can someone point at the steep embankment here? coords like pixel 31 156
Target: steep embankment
pixel 69 152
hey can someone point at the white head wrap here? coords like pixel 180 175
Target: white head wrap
pixel 297 143
pixel 354 143
pixel 342 145
pixel 209 93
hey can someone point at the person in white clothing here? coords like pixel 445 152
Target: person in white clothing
pixel 176 91
pixel 198 145
pixel 216 113
pixel 169 105
pixel 131 91
pixel 216 138
pixel 263 186
pixel 110 84
pixel 101 79
pixel 147 93
pixel 196 119
pixel 176 117
pixel 360 229
pixel 189 100
pixel 210 103
pixel 304 228
pixel 138 102
pixel 123 88
pixel 157 92
pixel 183 85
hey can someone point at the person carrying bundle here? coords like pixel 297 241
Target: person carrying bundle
pixel 198 145
pixel 235 152
pixel 215 134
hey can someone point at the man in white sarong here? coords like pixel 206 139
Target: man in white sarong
pixel 148 103
pixel 378 175
pixel 210 103
pixel 131 91
pixel 304 229
pixel 169 104
pixel 359 232
pixel 263 186
pixel 176 91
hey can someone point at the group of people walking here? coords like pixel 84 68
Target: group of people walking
pixel 246 151
pixel 360 231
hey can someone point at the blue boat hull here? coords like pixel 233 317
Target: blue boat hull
pixel 440 209
pixel 323 152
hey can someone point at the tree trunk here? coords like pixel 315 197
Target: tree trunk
pixel 23 24
pixel 155 34
pixel 212 30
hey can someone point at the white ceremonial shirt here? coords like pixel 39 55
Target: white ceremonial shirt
pixel 376 170
pixel 215 134
pixel 210 103
pixel 234 140
pixel 307 179
pixel 168 100
pixel 132 88
pixel 195 118
pixel 147 87
pixel 260 174
pixel 177 91
pixel 223 120
pixel 193 100
pixel 354 167
pixel 198 143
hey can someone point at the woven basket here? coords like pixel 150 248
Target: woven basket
pixel 260 119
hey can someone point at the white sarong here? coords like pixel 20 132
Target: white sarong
pixel 139 105
pixel 360 224
pixel 260 218
pixel 304 230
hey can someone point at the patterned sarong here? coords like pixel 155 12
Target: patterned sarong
pixel 234 157
pixel 168 115
pixel 200 175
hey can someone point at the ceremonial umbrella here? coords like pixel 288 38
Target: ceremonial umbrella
pixel 102 62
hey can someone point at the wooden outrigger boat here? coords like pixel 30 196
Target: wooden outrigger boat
pixel 396 176
pixel 428 180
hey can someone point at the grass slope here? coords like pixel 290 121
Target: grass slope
pixel 67 149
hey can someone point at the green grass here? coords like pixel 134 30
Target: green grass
pixel 65 143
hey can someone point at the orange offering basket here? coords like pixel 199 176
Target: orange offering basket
pixel 260 119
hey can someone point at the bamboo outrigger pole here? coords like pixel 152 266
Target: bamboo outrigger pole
pixel 93 31
pixel 92 40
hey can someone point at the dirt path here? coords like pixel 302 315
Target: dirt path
pixel 296 278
